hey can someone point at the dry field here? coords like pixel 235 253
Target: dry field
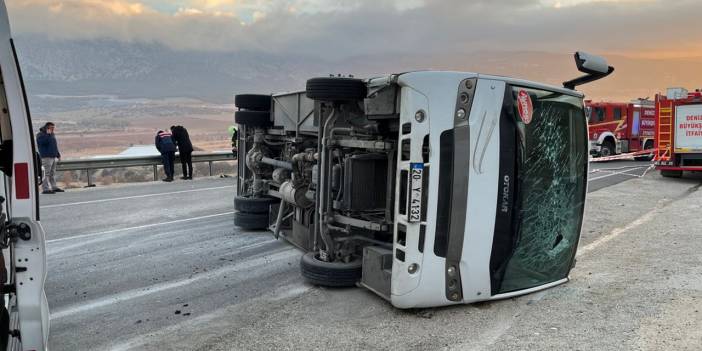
pixel 104 126
pixel 86 132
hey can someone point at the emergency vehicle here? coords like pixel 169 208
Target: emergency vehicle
pixel 427 188
pixel 679 132
pixel 621 127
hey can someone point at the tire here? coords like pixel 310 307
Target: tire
pixel 253 102
pixel 332 274
pixel 336 89
pixel 254 204
pixel 671 174
pixel 253 118
pixel 251 221
pixel 607 149
pixel 649 157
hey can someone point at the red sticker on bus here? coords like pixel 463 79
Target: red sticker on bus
pixel 524 105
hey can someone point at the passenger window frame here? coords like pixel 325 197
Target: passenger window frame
pixel 600 113
pixel 617 113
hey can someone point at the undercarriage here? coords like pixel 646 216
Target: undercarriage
pixel 318 169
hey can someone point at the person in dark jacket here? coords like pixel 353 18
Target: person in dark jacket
pixel 167 148
pixel 185 150
pixel 50 155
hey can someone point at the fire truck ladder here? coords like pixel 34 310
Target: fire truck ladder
pixel 665 129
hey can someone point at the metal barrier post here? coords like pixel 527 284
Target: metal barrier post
pixel 155 173
pixel 210 162
pixel 90 182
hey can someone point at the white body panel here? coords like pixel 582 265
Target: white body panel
pixel 426 287
pixel 438 99
pixel 404 283
pixel 688 128
pixel 482 189
pixel 30 254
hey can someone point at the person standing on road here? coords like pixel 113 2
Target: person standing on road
pixel 50 155
pixel 165 145
pixel 185 150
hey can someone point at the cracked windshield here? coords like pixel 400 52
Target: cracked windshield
pixel 553 161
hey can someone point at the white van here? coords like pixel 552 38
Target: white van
pixel 24 316
pixel 427 188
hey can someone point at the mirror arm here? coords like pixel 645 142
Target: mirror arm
pixel 571 84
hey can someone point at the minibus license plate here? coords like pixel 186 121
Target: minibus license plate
pixel 416 175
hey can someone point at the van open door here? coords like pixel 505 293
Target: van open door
pixel 24 313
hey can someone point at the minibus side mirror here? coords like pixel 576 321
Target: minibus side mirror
pixel 595 68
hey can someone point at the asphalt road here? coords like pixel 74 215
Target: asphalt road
pixel 160 267
pixel 127 261
pixel 604 174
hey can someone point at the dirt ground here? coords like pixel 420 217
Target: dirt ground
pixel 207 133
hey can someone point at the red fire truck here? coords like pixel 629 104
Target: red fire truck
pixel 679 132
pixel 621 127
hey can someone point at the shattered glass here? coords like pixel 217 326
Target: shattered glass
pixel 552 166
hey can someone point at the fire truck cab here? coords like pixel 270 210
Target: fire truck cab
pixel 679 132
pixel 621 127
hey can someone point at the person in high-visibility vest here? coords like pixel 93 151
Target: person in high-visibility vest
pixel 234 133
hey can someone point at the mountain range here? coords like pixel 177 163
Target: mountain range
pixel 151 70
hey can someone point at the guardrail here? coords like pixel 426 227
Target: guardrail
pixel 90 164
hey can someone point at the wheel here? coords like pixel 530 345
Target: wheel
pixel 671 174
pixel 336 89
pixel 251 221
pixel 334 274
pixel 607 149
pixel 649 157
pixel 253 118
pixel 254 204
pixel 253 102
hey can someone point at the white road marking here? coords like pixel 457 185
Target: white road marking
pixel 598 170
pixel 135 197
pixel 157 288
pixel 615 173
pixel 83 236
pixel 630 175
pixel 617 232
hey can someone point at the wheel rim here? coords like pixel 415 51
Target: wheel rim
pixel 317 258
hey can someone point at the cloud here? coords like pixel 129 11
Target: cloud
pixel 336 28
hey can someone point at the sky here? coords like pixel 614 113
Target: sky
pixel 654 44
pixel 349 28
